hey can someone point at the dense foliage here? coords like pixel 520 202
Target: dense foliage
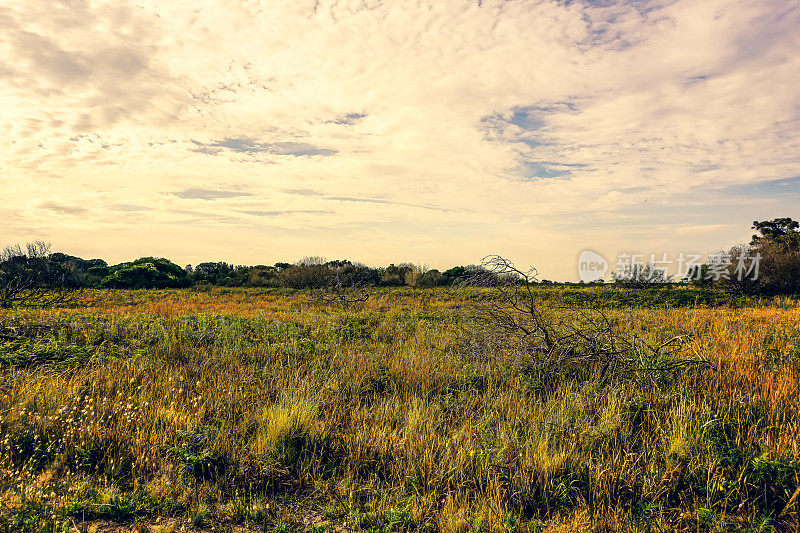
pixel 777 247
pixel 146 273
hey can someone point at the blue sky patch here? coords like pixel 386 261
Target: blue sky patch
pixel 247 145
pixel 537 169
pixel 771 188
pixel 528 118
pixel 349 119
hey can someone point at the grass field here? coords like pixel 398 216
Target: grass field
pixel 392 414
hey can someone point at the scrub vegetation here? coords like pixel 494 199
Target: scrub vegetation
pixel 412 409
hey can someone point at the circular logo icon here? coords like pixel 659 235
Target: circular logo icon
pixel 591 266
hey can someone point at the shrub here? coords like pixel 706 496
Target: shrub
pixel 146 273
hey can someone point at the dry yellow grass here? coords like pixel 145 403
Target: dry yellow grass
pixel 207 405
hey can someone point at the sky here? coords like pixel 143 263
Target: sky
pixel 435 132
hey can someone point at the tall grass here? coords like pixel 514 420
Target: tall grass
pixel 212 405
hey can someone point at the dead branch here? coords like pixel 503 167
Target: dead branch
pixel 553 341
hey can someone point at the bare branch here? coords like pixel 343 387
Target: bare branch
pixel 553 341
pixel 29 277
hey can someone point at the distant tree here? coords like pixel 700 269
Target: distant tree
pixel 309 272
pixel 774 257
pixel 432 278
pixel 453 275
pixel 769 265
pixel 262 276
pixel 739 272
pixel 493 272
pixel 30 277
pixel 348 274
pixel 146 273
pixel 311 260
pixel 640 275
pixel 338 263
pixel 699 275
pixel 211 272
pixel 395 275
pixel 414 275
pixel 779 269
pixel 89 271
pixel 779 231
pixel 418 276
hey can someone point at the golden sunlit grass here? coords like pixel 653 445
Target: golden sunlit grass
pixel 207 405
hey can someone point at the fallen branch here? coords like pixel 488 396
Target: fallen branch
pixel 556 341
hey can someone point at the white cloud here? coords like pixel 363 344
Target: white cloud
pixel 626 111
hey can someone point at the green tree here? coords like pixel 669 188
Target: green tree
pixel 29 276
pixel 772 260
pixel 212 272
pixel 146 273
pixel 778 231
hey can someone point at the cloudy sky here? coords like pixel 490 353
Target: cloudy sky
pixel 432 131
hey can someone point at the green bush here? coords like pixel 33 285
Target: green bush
pixel 146 273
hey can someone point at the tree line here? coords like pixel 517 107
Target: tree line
pixel 769 265
pixel 35 275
